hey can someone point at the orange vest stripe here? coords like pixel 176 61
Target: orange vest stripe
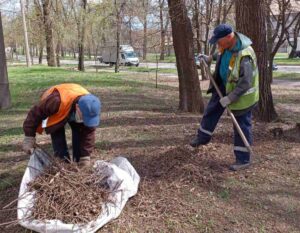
pixel 68 93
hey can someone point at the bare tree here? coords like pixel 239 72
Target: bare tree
pixel 25 34
pixel 145 4
pixel 163 28
pixel 196 21
pixel 295 34
pixel 190 97
pixel 5 100
pixel 46 6
pixel 81 24
pixel 277 26
pixel 251 20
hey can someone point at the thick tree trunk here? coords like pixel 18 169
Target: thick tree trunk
pixel 5 100
pixel 251 20
pixel 190 97
pixel 49 33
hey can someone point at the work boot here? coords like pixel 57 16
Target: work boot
pixel 239 166
pixel 197 141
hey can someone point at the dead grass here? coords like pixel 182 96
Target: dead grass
pixel 184 189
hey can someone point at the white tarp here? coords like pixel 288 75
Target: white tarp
pixel 120 173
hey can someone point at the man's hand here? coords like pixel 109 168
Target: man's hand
pixel 28 145
pixel 84 162
pixel 225 101
pixel 207 59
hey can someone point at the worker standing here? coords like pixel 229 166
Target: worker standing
pixel 65 103
pixel 237 77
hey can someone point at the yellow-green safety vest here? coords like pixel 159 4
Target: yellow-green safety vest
pixel 252 95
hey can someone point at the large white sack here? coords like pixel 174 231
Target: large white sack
pixel 121 174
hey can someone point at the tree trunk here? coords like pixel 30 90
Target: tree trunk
pixel 169 44
pixel 49 33
pixel 62 51
pixel 41 51
pixel 31 53
pixel 197 25
pixel 28 62
pixel 58 45
pixel 130 31
pixel 81 35
pixel 145 39
pixel 190 97
pixel 162 31
pixel 5 100
pixel 251 20
pixel 294 43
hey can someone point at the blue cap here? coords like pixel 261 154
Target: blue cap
pixel 90 108
pixel 220 31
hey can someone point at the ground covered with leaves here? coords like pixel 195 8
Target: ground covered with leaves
pixel 182 189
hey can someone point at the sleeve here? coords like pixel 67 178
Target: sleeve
pixel 245 80
pixel 39 112
pixel 87 141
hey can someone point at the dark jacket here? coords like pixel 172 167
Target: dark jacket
pixel 50 106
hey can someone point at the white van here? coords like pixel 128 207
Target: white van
pixel 127 55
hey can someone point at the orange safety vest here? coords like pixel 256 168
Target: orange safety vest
pixel 68 93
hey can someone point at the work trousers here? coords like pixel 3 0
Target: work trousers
pixel 59 143
pixel 212 114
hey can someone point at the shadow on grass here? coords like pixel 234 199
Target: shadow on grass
pixel 153 121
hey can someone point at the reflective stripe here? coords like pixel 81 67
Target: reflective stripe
pixel 205 131
pixel 251 90
pixel 44 123
pixel 240 148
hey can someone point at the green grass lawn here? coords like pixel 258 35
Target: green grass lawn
pixel 152 57
pixel 287 61
pixel 286 76
pixel 151 70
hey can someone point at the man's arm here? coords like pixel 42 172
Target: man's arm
pixel 39 112
pixel 87 141
pixel 245 80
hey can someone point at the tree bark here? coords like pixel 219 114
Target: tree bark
pixel 58 53
pixel 5 100
pixel 162 31
pixel 145 25
pixel 81 35
pixel 41 51
pixel 251 20
pixel 190 97
pixel 48 33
